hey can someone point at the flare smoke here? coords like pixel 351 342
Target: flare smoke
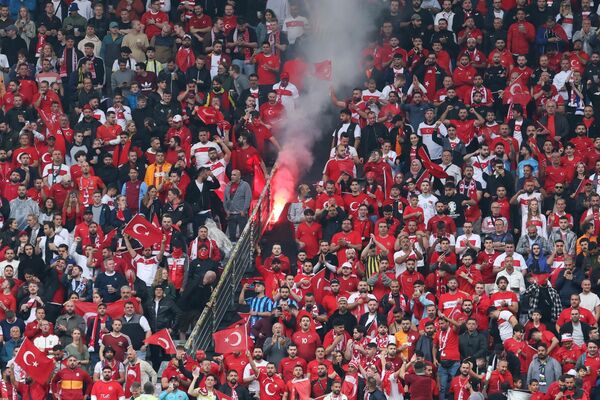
pixel 338 33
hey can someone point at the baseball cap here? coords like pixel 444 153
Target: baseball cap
pixel 112 24
pixel 177 118
pixel 11 28
pixel 320 183
pixel 415 17
pixel 73 7
pixel 284 75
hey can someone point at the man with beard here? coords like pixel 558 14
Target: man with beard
pixel 321 384
pixel 232 388
pixel 427 129
pixel 327 197
pixel 22 206
pixel 381 169
pixel 254 370
pixel 137 370
pixel 456 204
pixel 72 381
pixel 247 160
pixel 89 183
pixel 523 196
pixel 462 384
pixel 345 239
pixel 468 275
pixel 48 244
pixel 371 136
pixel 543 368
pixel 446 352
pixel 107 386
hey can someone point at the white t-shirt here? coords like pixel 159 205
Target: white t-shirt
pixel 100 364
pixel 350 152
pixel 518 261
pixel 344 128
pixel 54 174
pixel 254 386
pixel 504 326
pixel 461 242
pixel 294 27
pixel 288 95
pixel 427 203
pixel 145 268
pixel 589 301
pixel 199 151
pixel 426 131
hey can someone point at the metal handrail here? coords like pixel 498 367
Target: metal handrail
pixel 239 261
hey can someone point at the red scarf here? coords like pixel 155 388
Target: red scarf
pixel 274 38
pixel 40 44
pixel 246 37
pixel 97 320
pixel 65 60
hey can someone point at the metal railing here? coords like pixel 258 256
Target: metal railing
pixel 241 257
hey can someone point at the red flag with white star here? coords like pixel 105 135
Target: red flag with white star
pixel 231 340
pixel 143 231
pixel 34 362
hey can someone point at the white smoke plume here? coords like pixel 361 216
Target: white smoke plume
pixel 339 33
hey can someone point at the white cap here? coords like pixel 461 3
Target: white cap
pixel 177 118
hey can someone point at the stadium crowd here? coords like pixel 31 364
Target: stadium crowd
pixel 449 250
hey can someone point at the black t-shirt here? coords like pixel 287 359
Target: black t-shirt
pixel 456 211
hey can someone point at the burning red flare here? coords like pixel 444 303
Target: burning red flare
pixel 283 189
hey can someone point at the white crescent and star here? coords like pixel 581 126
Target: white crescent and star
pixel 234 334
pixel 135 230
pixel 270 393
pixel 165 343
pixel 25 358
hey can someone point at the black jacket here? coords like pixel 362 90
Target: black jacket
pixel 568 328
pixel 105 216
pixel 167 315
pixel 201 200
pixel 200 76
pixel 472 345
pixel 242 392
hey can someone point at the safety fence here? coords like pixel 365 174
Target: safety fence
pixel 223 298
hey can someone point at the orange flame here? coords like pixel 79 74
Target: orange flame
pixel 283 184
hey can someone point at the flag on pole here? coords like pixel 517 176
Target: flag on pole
pixel 141 229
pixel 163 339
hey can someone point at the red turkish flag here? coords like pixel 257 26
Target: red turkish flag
pixel 299 389
pixel 231 340
pixel 209 115
pixel 115 310
pixel 323 70
pixel 107 241
pixel 433 168
pixel 222 396
pixel 318 283
pixel 163 339
pixel 34 362
pixel 141 229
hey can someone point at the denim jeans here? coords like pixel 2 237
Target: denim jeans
pixel 445 375
pixel 245 68
pixel 234 223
